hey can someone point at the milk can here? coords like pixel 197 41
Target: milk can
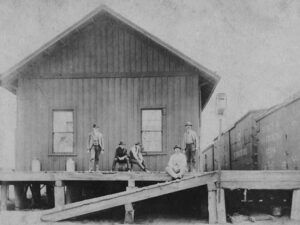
pixel 35 165
pixel 70 165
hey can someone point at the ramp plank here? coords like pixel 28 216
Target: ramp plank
pixel 122 198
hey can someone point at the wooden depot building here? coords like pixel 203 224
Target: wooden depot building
pixel 108 71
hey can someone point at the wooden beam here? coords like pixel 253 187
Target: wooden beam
pixel 261 179
pixel 126 197
pixel 261 185
pixel 82 176
pixel 59 194
pixel 221 209
pixel 212 201
pixel 109 75
pixel 129 210
pixel 295 212
pixel 4 196
pixel 260 175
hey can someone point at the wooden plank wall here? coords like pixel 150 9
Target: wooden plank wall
pixel 104 47
pixel 106 72
pixel 113 103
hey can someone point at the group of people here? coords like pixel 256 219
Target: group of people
pixel 181 161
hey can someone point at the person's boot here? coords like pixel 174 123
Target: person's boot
pixel 189 167
pixel 193 167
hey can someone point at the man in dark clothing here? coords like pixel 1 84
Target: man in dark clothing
pixel 121 156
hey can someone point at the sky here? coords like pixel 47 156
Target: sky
pixel 254 46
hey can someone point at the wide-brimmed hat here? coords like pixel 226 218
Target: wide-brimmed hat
pixel 95 126
pixel 188 123
pixel 137 143
pixel 177 146
pixel 121 143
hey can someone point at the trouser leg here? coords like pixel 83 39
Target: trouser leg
pixel 143 164
pixel 127 163
pixel 188 157
pixel 114 164
pixel 193 160
pixel 92 159
pixel 97 163
pixel 138 163
pixel 97 155
pixel 171 172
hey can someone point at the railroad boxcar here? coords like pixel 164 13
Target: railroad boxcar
pixel 278 136
pixel 238 146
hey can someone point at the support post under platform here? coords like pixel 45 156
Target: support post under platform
pixel 295 212
pixel 212 201
pixel 129 210
pixel 4 196
pixel 59 194
pixel 221 210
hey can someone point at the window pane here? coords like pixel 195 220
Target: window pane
pixel 63 121
pixel 152 141
pixel 63 142
pixel 152 120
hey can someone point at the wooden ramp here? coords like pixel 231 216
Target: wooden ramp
pixel 127 197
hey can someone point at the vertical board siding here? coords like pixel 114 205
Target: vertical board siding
pixel 108 47
pixel 114 104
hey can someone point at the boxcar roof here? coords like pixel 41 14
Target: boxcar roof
pixel 258 113
pixel 9 78
pixel 276 107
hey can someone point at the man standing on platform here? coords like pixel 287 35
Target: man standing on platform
pixel 190 144
pixel 95 147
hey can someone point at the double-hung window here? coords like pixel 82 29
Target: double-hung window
pixel 63 131
pixel 152 130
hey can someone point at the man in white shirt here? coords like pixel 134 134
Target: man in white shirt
pixel 95 147
pixel 177 164
pixel 190 145
pixel 136 156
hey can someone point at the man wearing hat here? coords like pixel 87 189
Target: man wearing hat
pixel 136 156
pixel 177 164
pixel 95 147
pixel 121 156
pixel 190 144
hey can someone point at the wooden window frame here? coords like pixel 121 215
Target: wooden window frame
pixel 51 135
pixel 164 129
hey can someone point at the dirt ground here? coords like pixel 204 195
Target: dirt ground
pixel 33 218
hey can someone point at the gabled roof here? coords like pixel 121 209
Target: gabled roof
pixel 9 78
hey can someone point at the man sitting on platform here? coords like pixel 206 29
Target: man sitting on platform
pixel 121 156
pixel 136 157
pixel 177 165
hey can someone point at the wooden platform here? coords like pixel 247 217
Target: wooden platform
pixel 82 176
pixel 231 179
pixel 215 182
